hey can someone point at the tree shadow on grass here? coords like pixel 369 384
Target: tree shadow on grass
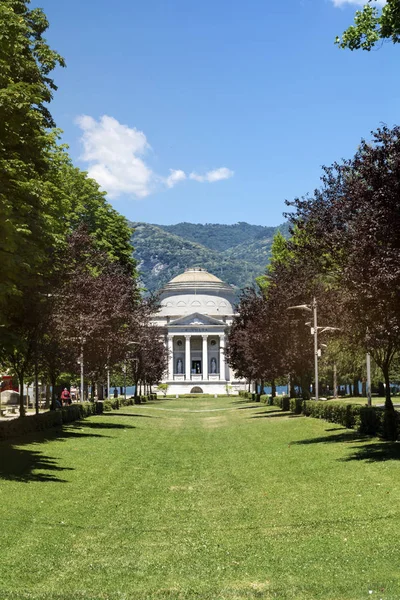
pixel 379 451
pixel 121 414
pixel 363 447
pixel 245 401
pixel 273 414
pixel 24 464
pixel 102 425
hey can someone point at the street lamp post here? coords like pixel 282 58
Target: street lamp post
pixel 80 362
pixel 314 309
pixel 369 399
pixel 335 388
pixel 314 331
pixel 108 381
pixel 124 369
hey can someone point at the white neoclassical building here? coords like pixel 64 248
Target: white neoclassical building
pixel 196 310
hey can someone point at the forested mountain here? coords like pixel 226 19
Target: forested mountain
pixel 220 237
pixel 236 253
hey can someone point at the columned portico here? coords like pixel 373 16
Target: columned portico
pixel 222 374
pixel 196 309
pixel 170 357
pixel 188 366
pixel 205 357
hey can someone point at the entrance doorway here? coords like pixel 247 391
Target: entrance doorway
pixel 196 390
pixel 196 367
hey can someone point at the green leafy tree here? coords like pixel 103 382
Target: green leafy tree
pixel 353 223
pixel 30 210
pixel 372 25
pixel 88 207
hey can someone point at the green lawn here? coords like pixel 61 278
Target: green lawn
pixel 206 499
pixel 376 400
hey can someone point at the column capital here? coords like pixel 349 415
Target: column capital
pixel 188 336
pixel 205 336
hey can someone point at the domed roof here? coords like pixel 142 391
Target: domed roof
pixel 195 275
pixel 196 280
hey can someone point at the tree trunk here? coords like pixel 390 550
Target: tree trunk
pixel 388 399
pixel 364 387
pixel 100 391
pixel 355 387
pixel 305 387
pixel 292 390
pixel 20 375
pixel 273 388
pixel 47 405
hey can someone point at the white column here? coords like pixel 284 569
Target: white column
pixel 187 357
pixel 205 356
pixel 170 357
pixel 222 357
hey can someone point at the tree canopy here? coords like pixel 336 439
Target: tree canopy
pixel 372 25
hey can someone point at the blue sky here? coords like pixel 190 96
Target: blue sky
pixel 214 110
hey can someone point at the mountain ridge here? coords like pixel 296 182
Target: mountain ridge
pixel 236 253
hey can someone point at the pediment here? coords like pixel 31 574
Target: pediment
pixel 196 319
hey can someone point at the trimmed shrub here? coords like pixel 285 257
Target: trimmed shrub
pixel 296 405
pixel 247 395
pixel 107 405
pixel 54 418
pixel 111 404
pixel 282 402
pixel 342 413
pixel 125 401
pixel 368 420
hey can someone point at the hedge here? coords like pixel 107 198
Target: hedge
pixel 368 420
pixel 282 402
pixel 111 404
pixel 116 403
pixel 54 418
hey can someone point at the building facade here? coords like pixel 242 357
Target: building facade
pixel 196 310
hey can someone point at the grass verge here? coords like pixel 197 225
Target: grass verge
pixel 206 499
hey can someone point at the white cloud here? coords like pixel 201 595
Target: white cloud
pixel 115 155
pixel 176 175
pixel 357 2
pixel 212 176
pixel 113 152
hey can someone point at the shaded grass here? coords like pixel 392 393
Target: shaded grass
pixel 205 502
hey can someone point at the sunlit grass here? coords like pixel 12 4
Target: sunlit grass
pixel 205 498
pixel 376 400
